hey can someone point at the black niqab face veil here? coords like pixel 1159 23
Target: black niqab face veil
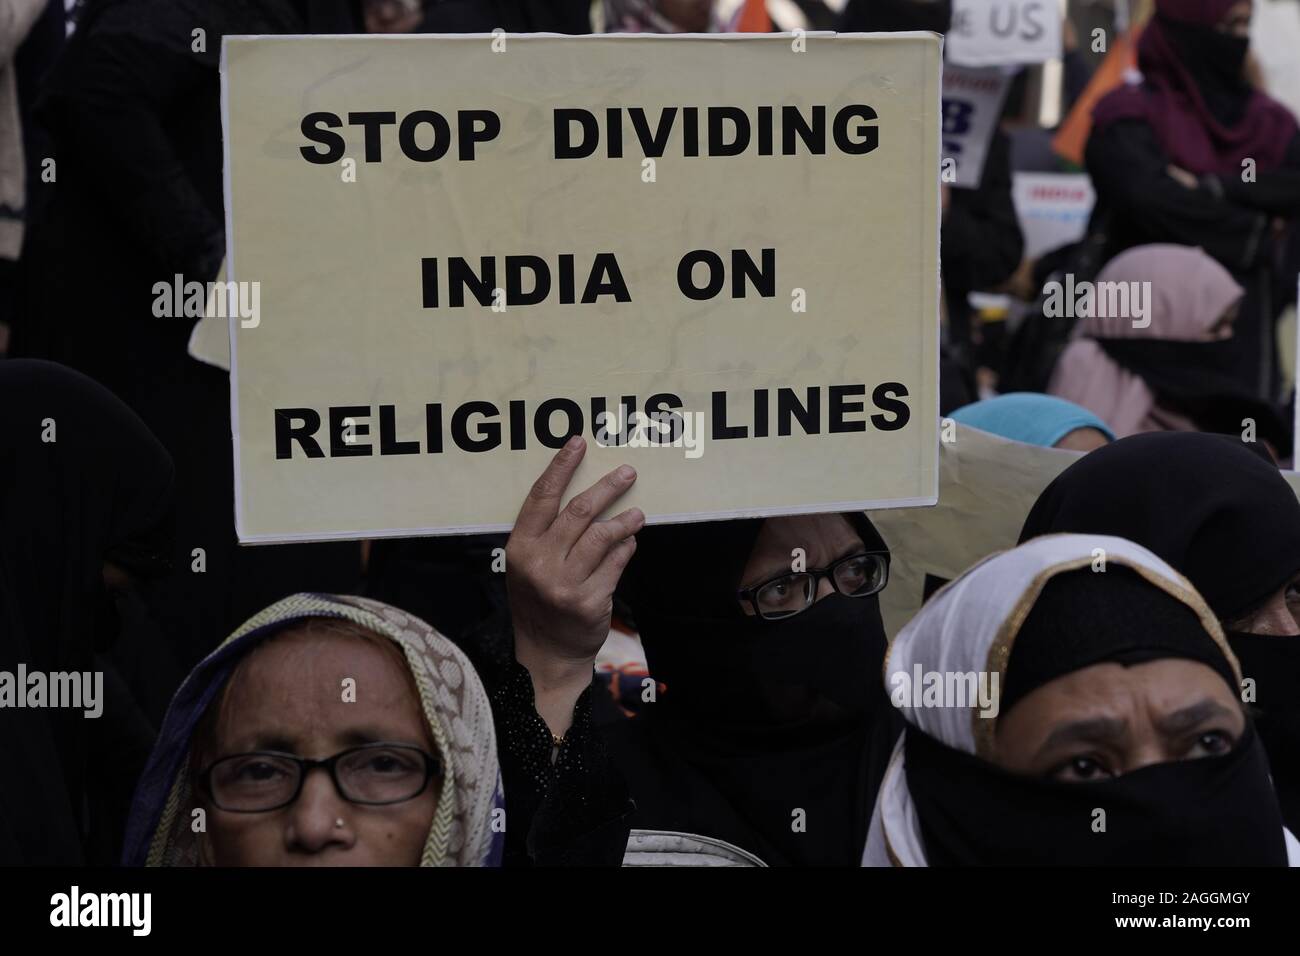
pixel 723 666
pixel 1202 812
pixel 1212 811
pixel 1222 515
pixel 82 481
pixel 760 720
pixel 1028 617
pixel 1216 63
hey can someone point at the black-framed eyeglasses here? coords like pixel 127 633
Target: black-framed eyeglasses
pixel 372 774
pixel 855 575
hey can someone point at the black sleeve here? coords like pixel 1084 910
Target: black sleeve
pixel 109 107
pixel 569 807
pixel 982 243
pixel 1128 168
pixel 1276 192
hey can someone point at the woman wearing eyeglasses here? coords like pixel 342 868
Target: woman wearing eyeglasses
pixel 326 731
pixel 772 731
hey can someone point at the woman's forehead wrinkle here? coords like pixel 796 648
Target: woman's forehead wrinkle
pixel 331 687
pixel 262 703
pixel 1173 723
pixel 1108 728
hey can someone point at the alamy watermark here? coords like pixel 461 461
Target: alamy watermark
pixel 76 690
pixel 197 300
pixel 663 429
pixel 962 689
pixel 1102 300
pixel 75 908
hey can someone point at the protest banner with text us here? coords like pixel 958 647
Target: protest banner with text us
pixel 714 257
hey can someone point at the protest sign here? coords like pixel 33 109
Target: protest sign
pixel 1053 209
pixel 714 257
pixel 987 486
pixel 972 103
pixel 996 32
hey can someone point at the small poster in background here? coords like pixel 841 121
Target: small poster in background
pixel 992 32
pixel 1053 209
pixel 972 104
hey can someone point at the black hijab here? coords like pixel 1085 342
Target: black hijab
pixel 170 23
pixel 771 735
pixel 1216 63
pixel 82 481
pixel 1217 511
pixel 1221 514
pixel 1211 811
pixel 1081 619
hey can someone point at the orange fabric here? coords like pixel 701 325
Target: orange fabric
pixel 1072 136
pixel 754 18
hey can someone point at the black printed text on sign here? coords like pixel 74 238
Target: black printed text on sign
pixel 715 258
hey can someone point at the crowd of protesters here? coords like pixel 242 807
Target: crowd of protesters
pixel 776 732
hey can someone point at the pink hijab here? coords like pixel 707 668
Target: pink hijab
pixel 1189 292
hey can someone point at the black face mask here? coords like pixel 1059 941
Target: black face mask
pixel 826 653
pixel 1216 63
pixel 819 666
pixel 758 717
pixel 1212 811
pixel 1226 56
pixel 1273 663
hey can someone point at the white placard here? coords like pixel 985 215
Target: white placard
pixel 994 32
pixel 972 103
pixel 1053 209
pixel 466 249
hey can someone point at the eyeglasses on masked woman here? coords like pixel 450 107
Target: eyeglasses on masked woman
pixel 856 575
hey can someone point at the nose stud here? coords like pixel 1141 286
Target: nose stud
pixel 338 824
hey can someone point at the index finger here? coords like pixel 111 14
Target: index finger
pixel 542 503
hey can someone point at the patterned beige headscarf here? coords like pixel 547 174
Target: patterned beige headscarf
pixel 455 705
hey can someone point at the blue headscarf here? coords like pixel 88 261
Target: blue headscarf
pixel 1029 417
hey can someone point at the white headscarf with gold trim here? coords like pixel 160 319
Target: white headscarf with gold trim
pixel 970 626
